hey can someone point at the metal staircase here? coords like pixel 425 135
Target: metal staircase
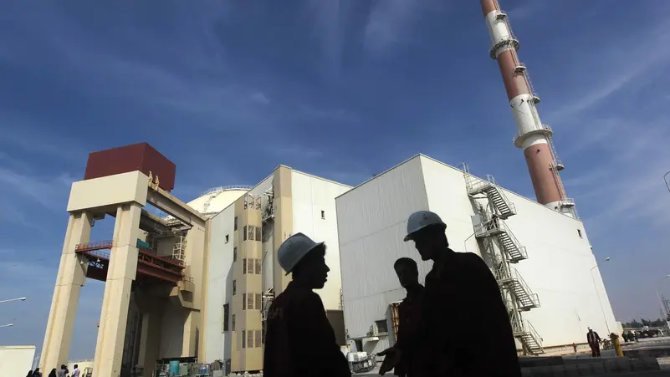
pixel 508 244
pixel 500 248
pixel 529 337
pixel 510 278
pixel 503 207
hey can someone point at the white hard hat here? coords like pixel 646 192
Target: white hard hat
pixel 294 249
pixel 419 220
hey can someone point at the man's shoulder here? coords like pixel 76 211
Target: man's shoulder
pixel 296 296
pixel 469 259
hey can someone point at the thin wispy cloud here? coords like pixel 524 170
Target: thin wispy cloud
pixel 389 25
pixel 342 89
pixel 610 70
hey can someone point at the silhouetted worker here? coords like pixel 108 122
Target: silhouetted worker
pixel 594 342
pixel 465 329
pixel 300 341
pixel 37 373
pixel 53 373
pixel 409 312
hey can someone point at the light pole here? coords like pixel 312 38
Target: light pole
pixel 600 302
pixel 14 299
pixel 7 325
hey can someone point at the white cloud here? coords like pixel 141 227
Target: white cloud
pixel 260 97
pixel 609 70
pixel 389 24
pixel 328 28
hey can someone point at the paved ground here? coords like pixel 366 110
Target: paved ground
pixel 664 362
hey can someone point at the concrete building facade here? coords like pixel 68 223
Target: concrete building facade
pixel 182 283
pixel 553 261
pixel 243 274
pixel 194 281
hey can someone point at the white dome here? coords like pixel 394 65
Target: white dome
pixel 215 200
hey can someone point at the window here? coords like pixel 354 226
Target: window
pixel 258 233
pixel 251 229
pixel 323 214
pixel 225 317
pixel 234 287
pixel 235 223
pixel 258 266
pixel 381 326
pixel 244 233
pixel 227 238
pixel 258 301
pixel 250 267
pixel 244 301
pixel 232 325
pixel 258 338
pixel 250 339
pixel 244 266
pixel 250 300
pixel 244 339
pixel 234 253
pixel 579 232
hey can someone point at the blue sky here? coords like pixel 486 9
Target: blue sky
pixel 339 89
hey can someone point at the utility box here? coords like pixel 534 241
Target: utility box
pixel 142 157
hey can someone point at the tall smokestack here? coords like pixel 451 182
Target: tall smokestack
pixel 532 136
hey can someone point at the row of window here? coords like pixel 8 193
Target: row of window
pixel 251 266
pixel 251 301
pixel 252 338
pixel 251 233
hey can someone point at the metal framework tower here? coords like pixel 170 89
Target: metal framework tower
pixel 534 137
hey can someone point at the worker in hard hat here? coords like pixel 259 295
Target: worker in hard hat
pixel 300 341
pixel 409 318
pixel 465 328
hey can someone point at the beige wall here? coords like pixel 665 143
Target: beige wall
pixel 110 190
pixel 247 319
pixel 283 227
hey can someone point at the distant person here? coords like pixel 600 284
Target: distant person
pixel 594 342
pixel 76 372
pixel 62 372
pixel 465 329
pixel 300 341
pixel 409 312
pixel 30 373
pixel 37 373
pixel 53 373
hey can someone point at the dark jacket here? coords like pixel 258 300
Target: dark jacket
pixel 409 313
pixel 593 338
pixel 300 341
pixel 466 328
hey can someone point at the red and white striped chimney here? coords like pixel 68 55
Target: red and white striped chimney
pixel 532 136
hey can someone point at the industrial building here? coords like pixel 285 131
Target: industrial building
pixel 243 275
pixel 538 251
pixel 541 258
pixel 192 281
pixel 182 283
